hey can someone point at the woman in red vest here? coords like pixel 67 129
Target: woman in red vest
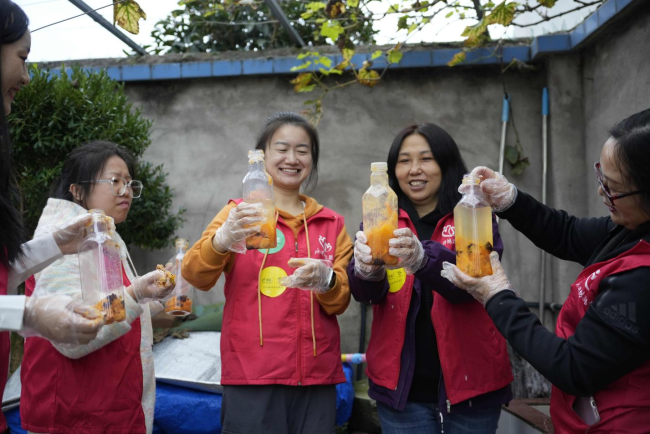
pixel 106 385
pixel 280 342
pixel 599 362
pixel 435 361
pixel 54 317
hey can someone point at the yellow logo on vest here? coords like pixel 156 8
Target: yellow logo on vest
pixel 396 279
pixel 269 284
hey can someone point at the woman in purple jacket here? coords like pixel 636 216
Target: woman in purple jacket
pixel 434 360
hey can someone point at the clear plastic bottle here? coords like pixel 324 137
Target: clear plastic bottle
pixel 180 304
pixel 380 214
pixel 100 267
pixel 473 223
pixel 258 188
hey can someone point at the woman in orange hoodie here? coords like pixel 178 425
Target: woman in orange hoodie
pixel 279 324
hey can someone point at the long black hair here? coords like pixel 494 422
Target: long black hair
pixel 632 137
pixel 86 163
pixel 447 155
pixel 13 25
pixel 281 119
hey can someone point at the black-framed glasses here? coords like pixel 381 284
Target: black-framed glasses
pixel 120 185
pixel 610 197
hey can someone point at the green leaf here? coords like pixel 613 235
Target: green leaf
pixel 520 166
pixel 331 30
pixel 307 15
pixel 347 54
pixel 476 30
pixel 547 3
pixel 392 9
pixel 335 71
pixel 412 28
pixel 326 62
pixel 488 5
pixel 457 59
pixel 306 54
pixel 449 14
pixel 353 3
pixel 300 67
pixel 305 89
pixel 395 56
pixel 401 23
pixel 502 14
pixel 315 6
pixel 511 154
pixel 376 54
pixel 127 15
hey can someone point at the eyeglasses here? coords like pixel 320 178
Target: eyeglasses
pixel 601 177
pixel 120 185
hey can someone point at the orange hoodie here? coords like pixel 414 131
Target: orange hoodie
pixel 203 265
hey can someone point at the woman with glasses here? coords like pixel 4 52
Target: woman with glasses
pixel 599 361
pixel 107 385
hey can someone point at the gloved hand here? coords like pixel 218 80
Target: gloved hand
pixel 311 275
pixel 151 286
pixel 498 192
pixel 363 266
pixel 408 249
pixel 61 319
pixel 69 235
pixel 242 222
pixel 484 288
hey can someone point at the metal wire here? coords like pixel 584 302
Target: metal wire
pixel 77 16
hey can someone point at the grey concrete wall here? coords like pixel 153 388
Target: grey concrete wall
pixel 203 128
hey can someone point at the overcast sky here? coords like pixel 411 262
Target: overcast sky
pixel 82 38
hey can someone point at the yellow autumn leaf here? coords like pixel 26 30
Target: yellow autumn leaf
pixel 127 15
pixel 457 59
pixel 368 78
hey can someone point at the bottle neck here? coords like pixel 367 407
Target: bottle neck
pixel 256 166
pixel 378 178
pixel 180 251
pixel 471 189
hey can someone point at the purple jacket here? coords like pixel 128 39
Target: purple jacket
pixel 426 278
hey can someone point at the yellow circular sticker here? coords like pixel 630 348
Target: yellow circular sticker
pixel 396 279
pixel 269 284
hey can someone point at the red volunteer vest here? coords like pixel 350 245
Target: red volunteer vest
pixel 473 354
pixel 5 347
pixel 286 356
pixel 100 393
pixel 624 405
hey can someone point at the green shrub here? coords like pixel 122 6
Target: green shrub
pixel 54 115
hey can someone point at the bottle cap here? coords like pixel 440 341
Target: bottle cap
pixel 182 242
pixel 469 179
pixel 380 166
pixel 255 156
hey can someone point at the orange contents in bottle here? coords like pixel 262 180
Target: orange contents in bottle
pixel 264 239
pixel 179 306
pixel 112 307
pixel 378 238
pixel 471 259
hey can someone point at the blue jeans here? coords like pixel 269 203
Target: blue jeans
pixel 422 418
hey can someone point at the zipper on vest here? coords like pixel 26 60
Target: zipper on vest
pixel 448 407
pixel 299 348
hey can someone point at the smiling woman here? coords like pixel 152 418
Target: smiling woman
pixel 423 380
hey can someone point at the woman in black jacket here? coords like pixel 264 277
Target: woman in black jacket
pixel 599 362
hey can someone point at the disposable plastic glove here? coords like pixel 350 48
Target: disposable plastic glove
pixel 242 222
pixel 61 319
pixel 69 235
pixel 408 249
pixel 496 189
pixel 151 286
pixel 363 266
pixel 484 288
pixel 311 275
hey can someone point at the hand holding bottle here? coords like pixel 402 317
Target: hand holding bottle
pixel 484 288
pixel 409 249
pixel 61 319
pixel 498 192
pixel 243 221
pixel 311 275
pixel 363 262
pixel 154 285
pixel 69 235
